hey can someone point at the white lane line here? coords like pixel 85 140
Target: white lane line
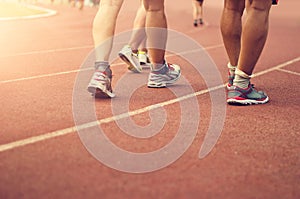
pixel 42 76
pixel 47 13
pixel 277 67
pixel 49 51
pixel 91 68
pixel 43 137
pixel 39 138
pixel 288 71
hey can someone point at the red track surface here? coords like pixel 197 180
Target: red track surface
pixel 257 155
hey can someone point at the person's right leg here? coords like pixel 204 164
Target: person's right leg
pixel 200 15
pixel 129 53
pixel 156 29
pixel 138 35
pixel 195 6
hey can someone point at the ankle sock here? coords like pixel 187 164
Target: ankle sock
pixel 103 66
pixel 231 69
pixel 160 68
pixel 241 79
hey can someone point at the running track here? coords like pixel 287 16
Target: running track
pixel 41 155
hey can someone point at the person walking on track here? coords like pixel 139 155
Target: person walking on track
pixel 244 45
pixel 162 73
pixel 197 12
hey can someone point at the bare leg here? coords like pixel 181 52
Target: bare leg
pixel 231 28
pixel 195 9
pixel 104 27
pixel 156 30
pixel 257 22
pixel 138 37
pixel 244 46
pixel 200 5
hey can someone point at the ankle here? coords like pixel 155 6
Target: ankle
pixel 159 68
pixel 231 69
pixel 241 79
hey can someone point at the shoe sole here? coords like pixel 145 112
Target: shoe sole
pixel 131 64
pixel 162 84
pixel 234 101
pixel 100 92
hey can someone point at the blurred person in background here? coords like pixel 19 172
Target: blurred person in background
pixel 197 12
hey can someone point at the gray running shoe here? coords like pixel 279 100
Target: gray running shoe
pixel 248 96
pixel 100 85
pixel 170 75
pixel 201 21
pixel 131 59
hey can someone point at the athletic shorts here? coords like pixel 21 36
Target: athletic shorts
pixel 200 1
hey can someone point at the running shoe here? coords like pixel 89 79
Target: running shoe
pixel 170 75
pixel 201 21
pixel 143 58
pixel 100 85
pixel 131 59
pixel 248 96
pixel 195 23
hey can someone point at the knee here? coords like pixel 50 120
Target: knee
pixel 111 3
pixel 260 5
pixel 237 6
pixel 154 5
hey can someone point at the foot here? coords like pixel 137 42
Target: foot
pixel 201 21
pixel 166 76
pixel 247 96
pixel 100 85
pixel 143 58
pixel 195 23
pixel 131 59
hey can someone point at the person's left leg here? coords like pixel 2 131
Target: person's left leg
pixel 104 27
pixel 156 24
pixel 103 32
pixel 200 16
pixel 162 73
pixel 231 29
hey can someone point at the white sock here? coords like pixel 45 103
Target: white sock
pixel 101 65
pixel 241 79
pixel 160 68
